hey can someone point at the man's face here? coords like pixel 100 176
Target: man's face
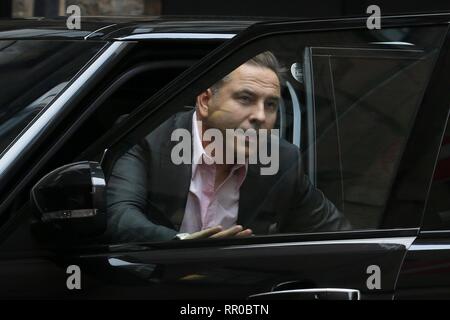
pixel 248 99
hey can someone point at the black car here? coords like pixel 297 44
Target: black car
pixel 367 108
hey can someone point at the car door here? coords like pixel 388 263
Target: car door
pixel 425 272
pixel 345 108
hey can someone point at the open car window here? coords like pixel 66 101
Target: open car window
pixel 346 108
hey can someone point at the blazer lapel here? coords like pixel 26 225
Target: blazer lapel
pixel 179 173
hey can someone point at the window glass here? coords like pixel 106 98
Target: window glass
pixel 437 216
pixel 366 100
pixel 32 74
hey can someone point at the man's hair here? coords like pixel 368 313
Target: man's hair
pixel 264 60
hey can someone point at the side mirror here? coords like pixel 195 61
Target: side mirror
pixel 70 201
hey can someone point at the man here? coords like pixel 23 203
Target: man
pixel 152 198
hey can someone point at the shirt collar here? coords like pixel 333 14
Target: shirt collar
pixel 198 150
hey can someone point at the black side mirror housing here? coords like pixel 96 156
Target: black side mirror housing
pixel 70 201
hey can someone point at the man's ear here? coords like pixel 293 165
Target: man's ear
pixel 203 102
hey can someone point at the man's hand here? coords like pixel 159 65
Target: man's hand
pixel 219 233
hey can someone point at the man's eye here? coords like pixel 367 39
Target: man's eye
pixel 245 99
pixel 272 106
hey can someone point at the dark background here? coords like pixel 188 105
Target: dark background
pixel 309 8
pixel 281 8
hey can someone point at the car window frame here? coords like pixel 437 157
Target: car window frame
pixel 176 89
pixel 205 65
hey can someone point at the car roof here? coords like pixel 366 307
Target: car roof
pixel 131 27
pixel 108 28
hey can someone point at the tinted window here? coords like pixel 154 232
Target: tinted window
pixel 32 74
pixel 365 103
pixel 437 216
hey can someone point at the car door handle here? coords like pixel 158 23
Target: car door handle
pixel 309 294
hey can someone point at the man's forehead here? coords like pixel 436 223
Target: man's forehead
pixel 247 73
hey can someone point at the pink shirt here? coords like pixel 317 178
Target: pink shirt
pixel 205 206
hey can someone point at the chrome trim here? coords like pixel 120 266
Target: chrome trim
pixel 404 241
pixel 97 176
pixel 426 247
pixel 394 43
pixel 120 263
pixel 179 35
pixel 95 31
pixel 68 214
pixel 98 186
pixel 318 290
pixel 98 182
pixel 18 146
pixel 433 232
pixel 105 153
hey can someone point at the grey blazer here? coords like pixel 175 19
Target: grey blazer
pixel 147 193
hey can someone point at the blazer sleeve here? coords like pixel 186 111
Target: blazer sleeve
pixel 127 200
pixel 310 210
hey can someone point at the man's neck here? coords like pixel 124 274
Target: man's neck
pixel 222 172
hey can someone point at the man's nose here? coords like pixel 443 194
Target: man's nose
pixel 258 113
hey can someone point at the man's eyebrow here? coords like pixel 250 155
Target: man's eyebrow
pixel 245 91
pixel 252 93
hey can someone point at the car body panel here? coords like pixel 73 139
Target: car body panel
pixel 425 273
pixel 109 28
